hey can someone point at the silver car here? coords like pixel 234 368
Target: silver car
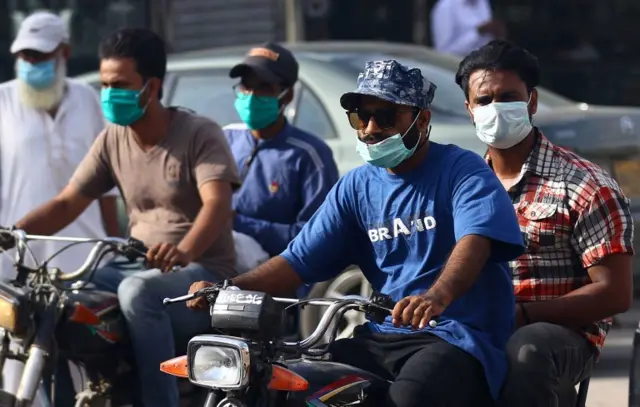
pixel 199 81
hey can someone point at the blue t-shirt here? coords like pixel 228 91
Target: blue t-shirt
pixel 400 230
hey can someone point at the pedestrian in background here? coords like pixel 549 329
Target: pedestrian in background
pixel 47 125
pixel 460 26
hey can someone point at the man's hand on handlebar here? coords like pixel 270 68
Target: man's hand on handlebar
pixel 198 303
pixel 165 256
pixel 417 311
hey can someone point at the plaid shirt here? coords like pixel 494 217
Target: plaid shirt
pixel 572 214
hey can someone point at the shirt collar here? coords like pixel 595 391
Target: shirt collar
pixel 540 161
pixel 281 136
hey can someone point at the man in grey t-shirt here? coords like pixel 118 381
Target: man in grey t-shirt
pixel 176 175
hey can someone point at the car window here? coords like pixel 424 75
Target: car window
pixel 449 99
pixel 208 93
pixel 312 117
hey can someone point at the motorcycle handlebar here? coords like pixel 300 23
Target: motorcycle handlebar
pixel 130 247
pixel 337 308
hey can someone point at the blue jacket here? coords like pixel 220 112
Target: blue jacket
pixel 284 184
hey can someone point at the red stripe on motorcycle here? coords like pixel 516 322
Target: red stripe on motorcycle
pixel 334 385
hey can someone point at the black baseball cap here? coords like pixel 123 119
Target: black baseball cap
pixel 271 62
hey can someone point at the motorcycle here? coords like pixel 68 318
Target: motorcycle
pixel 252 366
pixel 52 315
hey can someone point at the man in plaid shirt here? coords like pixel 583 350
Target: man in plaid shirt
pixel 576 271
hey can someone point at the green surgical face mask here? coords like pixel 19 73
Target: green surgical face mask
pixel 258 112
pixel 122 106
pixel 390 152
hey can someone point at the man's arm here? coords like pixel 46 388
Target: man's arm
pixel 214 171
pixel 610 293
pixel 55 215
pixel 603 234
pixel 462 269
pixel 206 228
pixel 275 277
pixel 91 180
pixel 215 212
pixel 109 211
pixel 320 252
pixel 486 229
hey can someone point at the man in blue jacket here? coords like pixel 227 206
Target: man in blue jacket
pixel 286 173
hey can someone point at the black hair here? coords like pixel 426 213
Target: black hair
pixel 144 46
pixel 499 55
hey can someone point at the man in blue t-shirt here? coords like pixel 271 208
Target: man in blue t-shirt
pixel 428 224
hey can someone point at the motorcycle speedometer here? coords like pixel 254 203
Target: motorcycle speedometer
pixel 253 313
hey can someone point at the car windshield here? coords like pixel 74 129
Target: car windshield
pixel 449 98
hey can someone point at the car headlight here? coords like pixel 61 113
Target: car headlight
pixel 218 362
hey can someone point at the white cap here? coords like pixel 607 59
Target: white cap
pixel 41 31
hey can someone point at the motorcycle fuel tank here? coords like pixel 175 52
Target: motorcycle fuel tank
pixel 82 340
pixel 335 384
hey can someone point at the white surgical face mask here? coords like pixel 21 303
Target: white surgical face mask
pixel 502 125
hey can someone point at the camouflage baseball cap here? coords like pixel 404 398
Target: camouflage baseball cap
pixel 393 82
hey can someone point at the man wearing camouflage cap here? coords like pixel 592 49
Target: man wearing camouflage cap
pixel 428 224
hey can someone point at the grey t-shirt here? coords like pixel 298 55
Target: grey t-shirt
pixel 160 186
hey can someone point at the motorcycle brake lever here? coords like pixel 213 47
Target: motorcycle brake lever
pixel 184 298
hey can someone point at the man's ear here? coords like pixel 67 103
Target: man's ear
pixel 288 97
pixel 424 119
pixel 153 88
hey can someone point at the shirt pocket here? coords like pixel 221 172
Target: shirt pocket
pixel 539 224
pixel 174 172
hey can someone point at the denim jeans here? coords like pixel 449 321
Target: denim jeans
pixel 151 324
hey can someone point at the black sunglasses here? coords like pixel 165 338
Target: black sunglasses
pixel 385 117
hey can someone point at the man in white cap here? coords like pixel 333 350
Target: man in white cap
pixel 47 124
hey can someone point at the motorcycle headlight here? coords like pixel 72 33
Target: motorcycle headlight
pixel 218 362
pixel 8 313
pixel 14 315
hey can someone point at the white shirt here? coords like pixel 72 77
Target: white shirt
pixel 454 25
pixel 38 156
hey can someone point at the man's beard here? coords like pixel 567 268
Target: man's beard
pixel 44 99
